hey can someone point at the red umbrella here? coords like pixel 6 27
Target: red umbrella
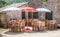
pixel 28 9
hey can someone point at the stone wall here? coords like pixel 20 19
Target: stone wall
pixel 35 3
pixel 54 5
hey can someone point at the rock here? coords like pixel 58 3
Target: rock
pixel 36 3
pixel 1 35
pixel 54 5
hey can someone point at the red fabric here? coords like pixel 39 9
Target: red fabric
pixel 27 28
pixel 28 9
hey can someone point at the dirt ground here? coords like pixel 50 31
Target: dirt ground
pixel 48 33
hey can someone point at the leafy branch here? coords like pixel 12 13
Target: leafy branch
pixel 3 3
pixel 44 3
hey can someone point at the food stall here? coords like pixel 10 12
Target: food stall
pixel 13 16
pixel 31 16
pixel 27 15
pixel 47 16
pixel 30 19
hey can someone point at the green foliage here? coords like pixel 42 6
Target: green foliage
pixel 17 1
pixel 44 3
pixel 8 2
pixel 3 3
pixel 46 0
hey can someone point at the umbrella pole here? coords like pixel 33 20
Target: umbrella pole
pixel 38 15
pixel 20 15
pixel 32 15
pixel 27 17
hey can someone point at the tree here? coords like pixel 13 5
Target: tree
pixel 44 3
pixel 8 2
pixel 2 3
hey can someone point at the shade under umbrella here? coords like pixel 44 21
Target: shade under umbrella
pixel 43 10
pixel 11 9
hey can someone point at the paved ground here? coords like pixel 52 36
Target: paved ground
pixel 3 30
pixel 54 33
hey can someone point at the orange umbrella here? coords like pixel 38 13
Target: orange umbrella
pixel 28 9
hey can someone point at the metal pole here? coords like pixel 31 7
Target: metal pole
pixel 32 15
pixel 26 15
pixel 39 15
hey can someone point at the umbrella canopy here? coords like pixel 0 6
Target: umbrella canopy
pixel 43 10
pixel 11 9
pixel 12 12
pixel 28 9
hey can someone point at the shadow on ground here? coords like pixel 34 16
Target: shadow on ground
pixel 35 32
pixel 16 33
pixel 13 33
